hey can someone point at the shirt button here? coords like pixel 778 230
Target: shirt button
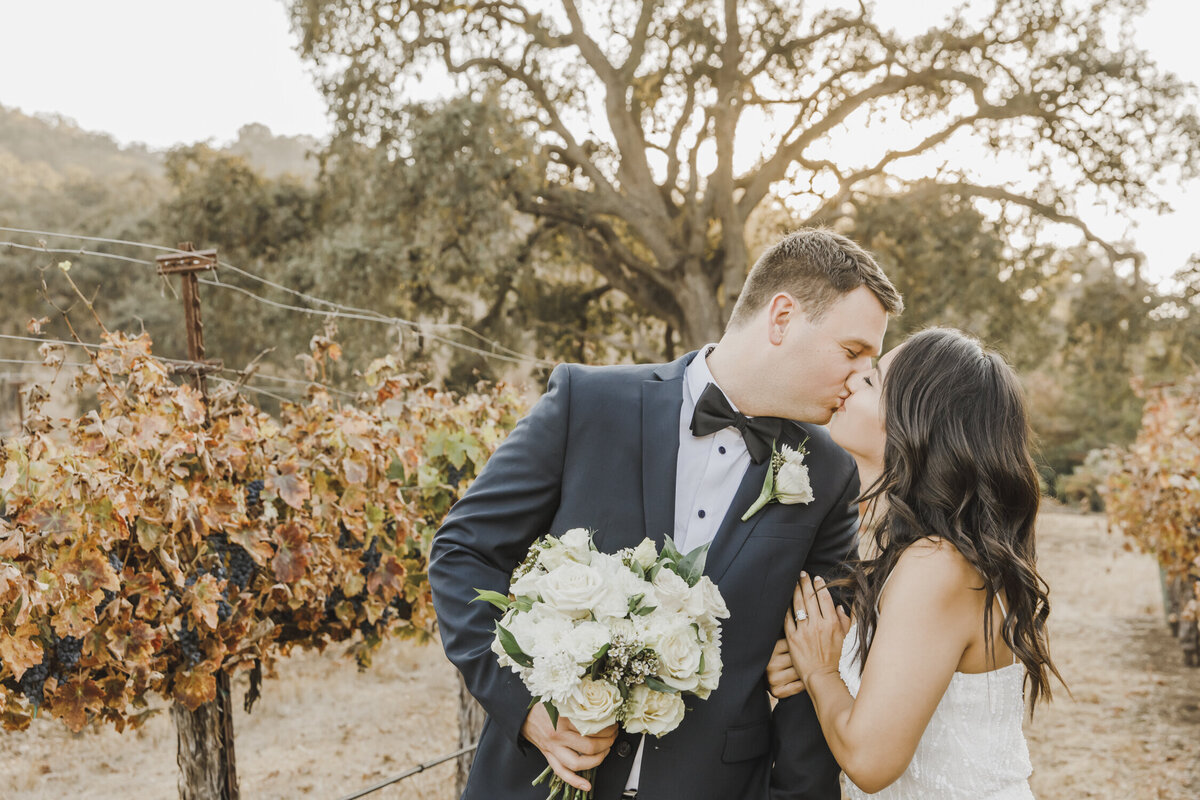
pixel 701 513
pixel 624 749
pixel 721 449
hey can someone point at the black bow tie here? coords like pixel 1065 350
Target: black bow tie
pixel 713 413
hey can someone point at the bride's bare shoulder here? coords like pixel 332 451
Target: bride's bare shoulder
pixel 934 566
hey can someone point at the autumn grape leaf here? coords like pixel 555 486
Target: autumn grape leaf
pixel 287 482
pixel 92 571
pixel 75 617
pixel 203 597
pixel 194 688
pixel 355 471
pixel 191 403
pixel 20 651
pixel 292 553
pixel 133 641
pixel 74 699
pixel 390 574
pixel 12 471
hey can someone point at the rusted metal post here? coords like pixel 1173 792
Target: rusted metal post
pixel 186 265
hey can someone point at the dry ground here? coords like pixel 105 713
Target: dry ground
pixel 323 730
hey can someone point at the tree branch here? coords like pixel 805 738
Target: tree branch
pixel 1049 212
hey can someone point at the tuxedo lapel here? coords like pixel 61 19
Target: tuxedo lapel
pixel 662 399
pixel 733 532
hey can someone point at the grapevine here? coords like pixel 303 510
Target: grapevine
pixel 158 538
pixel 1154 496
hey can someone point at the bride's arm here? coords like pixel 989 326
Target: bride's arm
pixel 927 619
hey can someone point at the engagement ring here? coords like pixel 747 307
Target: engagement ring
pixel 801 615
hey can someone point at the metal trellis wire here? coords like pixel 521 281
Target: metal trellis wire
pixel 410 772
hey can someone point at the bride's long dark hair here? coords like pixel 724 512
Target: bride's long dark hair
pixel 957 466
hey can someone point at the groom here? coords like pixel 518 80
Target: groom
pixel 679 449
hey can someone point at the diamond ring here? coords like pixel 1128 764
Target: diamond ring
pixel 801 615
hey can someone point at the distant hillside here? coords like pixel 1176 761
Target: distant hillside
pixel 48 149
pixel 53 144
pixel 276 155
pixel 55 175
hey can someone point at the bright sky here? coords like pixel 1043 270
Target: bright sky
pixel 168 71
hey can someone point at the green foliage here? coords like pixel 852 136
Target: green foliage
pixel 956 268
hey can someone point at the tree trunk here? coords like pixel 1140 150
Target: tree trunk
pixel 207 767
pixel 703 321
pixel 470 723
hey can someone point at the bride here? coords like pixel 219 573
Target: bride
pixel 922 695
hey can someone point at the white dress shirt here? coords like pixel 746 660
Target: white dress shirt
pixel 708 472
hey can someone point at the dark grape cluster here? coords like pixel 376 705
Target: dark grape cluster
pixel 403 607
pixel 67 651
pixel 370 558
pixel 454 475
pixel 234 566
pixel 254 498
pixel 33 682
pixel 346 540
pixel 241 567
pixel 331 603
pixel 189 645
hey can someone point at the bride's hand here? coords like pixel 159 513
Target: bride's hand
pixel 782 678
pixel 815 642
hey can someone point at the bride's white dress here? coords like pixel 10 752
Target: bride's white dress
pixel 973 748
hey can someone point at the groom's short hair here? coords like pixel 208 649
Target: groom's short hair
pixel 816 266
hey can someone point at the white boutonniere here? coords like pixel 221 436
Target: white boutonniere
pixel 786 482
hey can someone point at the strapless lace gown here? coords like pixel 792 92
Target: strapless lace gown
pixel 973 748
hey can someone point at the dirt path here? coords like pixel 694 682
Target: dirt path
pixel 1133 728
pixel 323 730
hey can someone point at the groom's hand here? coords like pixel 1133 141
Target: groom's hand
pixel 567 751
pixel 782 678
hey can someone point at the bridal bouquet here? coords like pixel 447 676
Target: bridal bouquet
pixel 600 638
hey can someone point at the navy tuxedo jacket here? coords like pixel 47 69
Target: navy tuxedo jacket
pixel 598 451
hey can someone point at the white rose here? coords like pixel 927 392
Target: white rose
pixel 554 555
pixel 791 482
pixel 584 641
pixel 679 653
pixel 645 554
pixel 593 706
pixel 579 545
pixel 671 589
pixel 648 711
pixel 553 677
pixel 528 585
pixel 711 676
pixel 572 588
pixel 694 606
pixel 618 586
pixel 714 603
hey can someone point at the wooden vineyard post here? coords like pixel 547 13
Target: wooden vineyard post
pixel 205 751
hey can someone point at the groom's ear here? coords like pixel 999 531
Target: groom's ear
pixel 782 311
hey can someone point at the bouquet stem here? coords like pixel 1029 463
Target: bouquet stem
pixel 560 788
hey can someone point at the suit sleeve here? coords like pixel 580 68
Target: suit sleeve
pixel 485 536
pixel 804 768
